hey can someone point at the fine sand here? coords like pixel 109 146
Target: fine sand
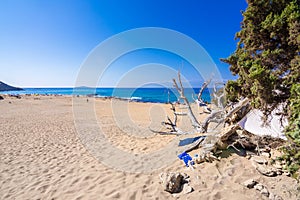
pixel 44 157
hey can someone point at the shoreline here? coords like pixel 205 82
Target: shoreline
pixel 19 96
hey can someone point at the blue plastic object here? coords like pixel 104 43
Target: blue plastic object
pixel 185 157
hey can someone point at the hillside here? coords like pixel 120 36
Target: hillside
pixel 5 87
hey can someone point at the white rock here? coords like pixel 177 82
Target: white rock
pixel 265 192
pixel 250 183
pixel 187 188
pixel 272 196
pixel 259 187
pixel 259 160
pixel 174 182
pixel 275 197
pixel 265 154
pixel 277 165
pixel 265 170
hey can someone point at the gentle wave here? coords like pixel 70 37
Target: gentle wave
pixel 153 95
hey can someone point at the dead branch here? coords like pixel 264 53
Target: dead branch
pixel 200 102
pixel 190 113
pixel 171 125
pixel 194 145
pixel 212 118
pixel 204 85
pixel 217 96
pixel 238 107
pixel 216 116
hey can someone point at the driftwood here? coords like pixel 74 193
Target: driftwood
pixel 214 116
pixel 190 113
pixel 228 137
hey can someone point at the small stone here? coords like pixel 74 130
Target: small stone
pixel 275 197
pixel 172 182
pixel 279 172
pixel 187 188
pixel 277 165
pixel 286 173
pixel 267 171
pixel 265 192
pixel 266 154
pixel 259 160
pixel 239 132
pixel 266 149
pixel 259 187
pixel 185 177
pixel 272 196
pixel 250 183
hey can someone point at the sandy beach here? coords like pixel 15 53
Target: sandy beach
pixel 42 157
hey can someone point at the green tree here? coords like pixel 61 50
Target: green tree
pixel 267 62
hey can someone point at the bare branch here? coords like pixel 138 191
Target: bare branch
pixel 189 113
pixel 241 104
pixel 216 116
pixel 210 118
pixel 176 86
pixel 219 97
pixel 168 133
pixel 180 82
pixel 195 144
pixel 204 85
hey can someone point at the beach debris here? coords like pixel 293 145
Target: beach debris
pixel 186 158
pixel 1 97
pixel 218 116
pixel 251 183
pixel 253 122
pixel 205 156
pixel 188 141
pixel 175 182
pixel 220 129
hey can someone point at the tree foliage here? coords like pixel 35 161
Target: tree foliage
pixel 267 60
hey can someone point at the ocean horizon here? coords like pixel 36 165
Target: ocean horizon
pixel 153 95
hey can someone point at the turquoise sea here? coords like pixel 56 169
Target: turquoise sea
pixel 155 95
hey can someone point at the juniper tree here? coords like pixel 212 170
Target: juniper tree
pixel 267 63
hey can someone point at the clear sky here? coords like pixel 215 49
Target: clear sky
pixel 44 42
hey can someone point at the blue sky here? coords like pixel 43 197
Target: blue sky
pixel 44 43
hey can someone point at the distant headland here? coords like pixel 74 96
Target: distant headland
pixel 5 87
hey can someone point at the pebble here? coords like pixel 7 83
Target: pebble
pixel 187 188
pixel 259 187
pixel 259 160
pixel 250 183
pixel 265 154
pixel 277 165
pixel 267 171
pixel 265 192
pixel 275 197
pixel 176 182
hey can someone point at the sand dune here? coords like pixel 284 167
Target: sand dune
pixel 42 157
